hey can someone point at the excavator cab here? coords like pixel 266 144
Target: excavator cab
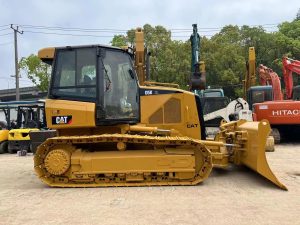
pixel 258 94
pixel 296 93
pixel 100 75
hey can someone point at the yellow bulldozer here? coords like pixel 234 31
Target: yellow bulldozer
pixel 116 129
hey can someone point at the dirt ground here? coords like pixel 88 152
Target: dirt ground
pixel 235 196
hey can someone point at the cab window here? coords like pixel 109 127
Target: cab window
pixel 120 86
pixel 75 74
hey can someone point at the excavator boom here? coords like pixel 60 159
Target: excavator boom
pixel 268 77
pixel 198 74
pixel 250 77
pixel 290 66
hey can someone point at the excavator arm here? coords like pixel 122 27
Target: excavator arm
pixel 290 66
pixel 198 75
pixel 268 77
pixel 250 77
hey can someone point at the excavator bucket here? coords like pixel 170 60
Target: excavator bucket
pixel 253 154
pixel 251 142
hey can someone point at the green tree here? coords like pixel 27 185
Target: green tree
pixel 119 41
pixel 164 53
pixel 290 29
pixel 37 71
pixel 225 63
pixel 288 38
pixel 225 54
pixel 298 15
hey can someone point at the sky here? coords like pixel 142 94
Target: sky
pixel 46 23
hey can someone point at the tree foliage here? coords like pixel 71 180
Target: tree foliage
pixel 119 41
pixel 298 15
pixel 37 71
pixel 225 54
pixel 169 59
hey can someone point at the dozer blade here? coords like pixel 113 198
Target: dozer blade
pixel 253 155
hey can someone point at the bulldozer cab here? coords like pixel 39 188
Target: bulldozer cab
pixel 101 75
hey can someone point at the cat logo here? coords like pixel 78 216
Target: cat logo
pixel 60 120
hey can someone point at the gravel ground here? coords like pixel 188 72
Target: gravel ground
pixel 235 196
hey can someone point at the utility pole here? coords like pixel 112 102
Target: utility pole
pixel 16 31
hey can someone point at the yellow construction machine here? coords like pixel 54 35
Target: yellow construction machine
pixel 116 129
pixel 250 76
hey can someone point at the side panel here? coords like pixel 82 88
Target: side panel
pixel 172 111
pixel 278 112
pixel 62 114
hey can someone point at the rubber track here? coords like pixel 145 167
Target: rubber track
pixel 47 178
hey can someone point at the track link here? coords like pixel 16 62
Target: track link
pixel 55 160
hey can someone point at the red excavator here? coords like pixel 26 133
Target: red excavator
pixel 283 115
pixel 291 66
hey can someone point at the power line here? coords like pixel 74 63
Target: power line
pixel 105 36
pixel 74 29
pixel 78 30
pixel 7 43
pixel 9 78
pixel 91 35
pixel 63 31
pixel 110 30
pixel 68 34
pixel 5 29
pixel 220 28
pixel 5 34
pixel 210 31
pixel 189 31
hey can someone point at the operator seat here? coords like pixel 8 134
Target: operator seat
pixel 87 80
